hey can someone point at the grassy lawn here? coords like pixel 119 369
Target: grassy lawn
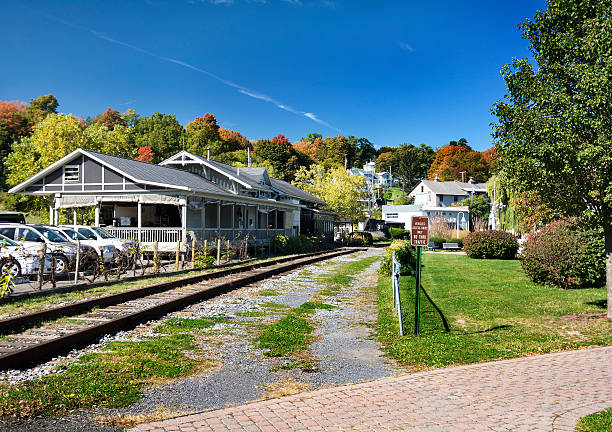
pixel 598 422
pixel 494 312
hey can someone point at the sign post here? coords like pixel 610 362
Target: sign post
pixel 419 237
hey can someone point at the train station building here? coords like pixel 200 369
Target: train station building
pixel 184 196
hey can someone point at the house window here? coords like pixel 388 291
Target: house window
pixel 422 189
pixel 71 174
pixel 455 198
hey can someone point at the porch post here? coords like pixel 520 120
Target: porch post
pixel 51 210
pixel 97 213
pixel 56 213
pixel 233 216
pixel 139 220
pixel 184 219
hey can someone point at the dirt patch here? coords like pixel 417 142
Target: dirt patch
pixel 162 412
pixel 285 388
pixel 583 317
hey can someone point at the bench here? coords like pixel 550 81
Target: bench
pixel 432 245
pixel 450 246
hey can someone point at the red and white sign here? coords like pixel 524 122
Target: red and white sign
pixel 419 234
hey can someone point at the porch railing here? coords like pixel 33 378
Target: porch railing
pixel 174 234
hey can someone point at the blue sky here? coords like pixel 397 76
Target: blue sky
pixel 390 71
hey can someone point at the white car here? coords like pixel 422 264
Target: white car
pixel 34 236
pixel 25 260
pixel 102 236
pixel 104 248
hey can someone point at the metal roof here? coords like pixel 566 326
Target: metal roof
pixel 151 173
pixel 292 191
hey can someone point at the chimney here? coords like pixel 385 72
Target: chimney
pixel 437 178
pixel 248 156
pixel 208 153
pixel 237 170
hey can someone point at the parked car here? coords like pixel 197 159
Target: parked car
pixel 19 260
pixel 12 217
pixel 101 235
pixel 33 235
pixel 103 248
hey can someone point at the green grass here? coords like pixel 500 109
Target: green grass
pixel 268 293
pixel 182 325
pixel 112 379
pixel 290 334
pixel 305 365
pixel 494 312
pixel 598 422
pixel 343 277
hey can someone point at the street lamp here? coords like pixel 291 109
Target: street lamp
pixel 462 221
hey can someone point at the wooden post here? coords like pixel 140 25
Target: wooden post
pixel 78 259
pixel 205 251
pixel 192 253
pixel 218 251
pixel 178 253
pixel 155 259
pixel 41 267
pixel 52 270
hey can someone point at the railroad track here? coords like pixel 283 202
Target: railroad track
pixel 33 338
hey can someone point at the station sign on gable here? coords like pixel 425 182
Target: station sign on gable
pixel 419 234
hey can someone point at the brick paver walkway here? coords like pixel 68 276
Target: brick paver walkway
pixel 541 393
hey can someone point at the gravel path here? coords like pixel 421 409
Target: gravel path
pixel 343 348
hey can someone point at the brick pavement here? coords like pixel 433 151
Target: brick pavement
pixel 540 393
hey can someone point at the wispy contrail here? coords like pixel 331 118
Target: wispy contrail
pixel 244 90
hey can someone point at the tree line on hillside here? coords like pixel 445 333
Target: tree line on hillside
pixel 34 135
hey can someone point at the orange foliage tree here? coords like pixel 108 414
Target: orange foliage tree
pixel 145 154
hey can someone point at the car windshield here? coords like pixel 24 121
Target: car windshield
pixel 52 235
pixel 102 233
pixel 73 234
pixel 5 241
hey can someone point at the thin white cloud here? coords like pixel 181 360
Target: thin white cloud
pixel 243 90
pixel 222 2
pixel 406 47
pixel 126 103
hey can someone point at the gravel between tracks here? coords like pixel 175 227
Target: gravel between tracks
pixel 342 347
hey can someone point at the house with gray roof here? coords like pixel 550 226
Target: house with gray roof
pixel 184 196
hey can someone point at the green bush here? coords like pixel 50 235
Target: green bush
pixel 400 234
pixel 494 244
pixel 359 239
pixel 406 255
pixel 284 245
pixel 437 240
pixel 567 253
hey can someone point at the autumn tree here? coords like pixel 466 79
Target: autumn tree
pixel 145 154
pixel 448 151
pixel 471 163
pixel 13 125
pixel 110 118
pixel 342 192
pixel 41 107
pixel 554 127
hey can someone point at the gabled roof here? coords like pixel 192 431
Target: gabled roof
pixel 136 171
pixel 451 187
pixel 228 170
pixel 292 191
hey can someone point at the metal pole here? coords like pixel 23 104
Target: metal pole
pixel 417 299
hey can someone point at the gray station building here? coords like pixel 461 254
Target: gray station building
pixel 185 196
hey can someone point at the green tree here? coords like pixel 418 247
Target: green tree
pixel 365 152
pixel 41 107
pixel 343 193
pixel 161 132
pixel 412 164
pixel 554 129
pixel 281 156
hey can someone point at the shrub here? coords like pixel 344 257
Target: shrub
pixel 566 253
pixel 284 245
pixel 438 240
pixel 359 239
pixel 400 234
pixel 406 255
pixel 490 244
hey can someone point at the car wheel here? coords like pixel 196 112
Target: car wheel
pixel 12 267
pixel 61 264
